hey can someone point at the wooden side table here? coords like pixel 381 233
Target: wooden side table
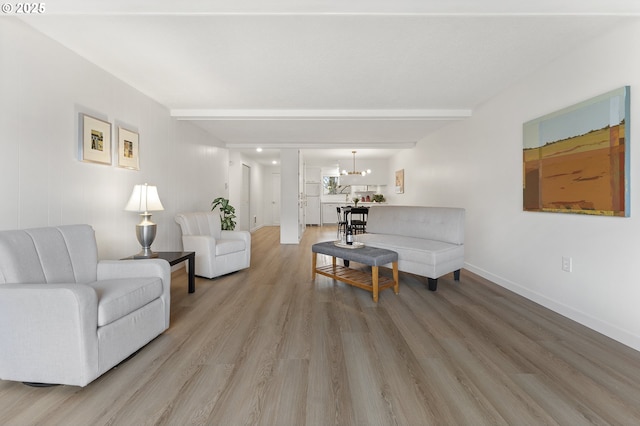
pixel 175 257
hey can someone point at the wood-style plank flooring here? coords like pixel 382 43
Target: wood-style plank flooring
pixel 267 346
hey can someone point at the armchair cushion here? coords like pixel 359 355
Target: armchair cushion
pixel 229 246
pixel 140 268
pixel 120 297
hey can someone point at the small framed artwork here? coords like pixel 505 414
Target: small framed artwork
pixel 95 144
pixel 400 181
pixel 128 153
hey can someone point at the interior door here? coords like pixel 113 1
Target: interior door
pixel 275 200
pixel 245 208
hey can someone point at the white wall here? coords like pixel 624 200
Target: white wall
pixel 290 186
pixel 477 164
pixel 44 86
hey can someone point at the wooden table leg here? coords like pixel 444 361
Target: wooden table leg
pixel 396 287
pixel 333 263
pixel 191 263
pixel 374 279
pixel 314 260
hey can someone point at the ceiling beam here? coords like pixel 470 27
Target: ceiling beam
pixel 323 145
pixel 321 114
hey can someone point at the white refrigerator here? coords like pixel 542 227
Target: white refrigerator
pixel 313 203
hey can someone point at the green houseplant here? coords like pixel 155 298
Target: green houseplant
pixel 227 213
pixel 378 198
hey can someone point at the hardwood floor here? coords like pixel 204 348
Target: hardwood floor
pixel 267 346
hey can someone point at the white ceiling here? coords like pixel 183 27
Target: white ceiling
pixel 351 74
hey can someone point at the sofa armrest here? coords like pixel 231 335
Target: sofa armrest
pixel 49 326
pixel 137 268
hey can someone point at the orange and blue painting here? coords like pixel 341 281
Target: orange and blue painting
pixel 576 160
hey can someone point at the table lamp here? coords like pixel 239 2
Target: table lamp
pixel 144 199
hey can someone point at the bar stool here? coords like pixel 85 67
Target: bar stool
pixel 359 225
pixel 342 224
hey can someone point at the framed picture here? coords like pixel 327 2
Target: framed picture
pixel 576 160
pixel 400 181
pixel 95 143
pixel 128 153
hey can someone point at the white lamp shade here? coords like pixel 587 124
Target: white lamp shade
pixel 144 198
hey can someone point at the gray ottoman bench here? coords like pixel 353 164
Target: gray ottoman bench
pixel 371 256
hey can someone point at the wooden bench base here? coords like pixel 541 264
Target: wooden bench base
pixel 370 282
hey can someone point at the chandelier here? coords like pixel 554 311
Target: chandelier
pixel 354 171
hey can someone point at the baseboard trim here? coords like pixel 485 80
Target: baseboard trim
pixel 256 228
pixel 602 327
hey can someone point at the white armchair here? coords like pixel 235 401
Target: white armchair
pixel 218 252
pixel 67 318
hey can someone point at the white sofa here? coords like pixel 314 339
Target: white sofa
pixel 429 240
pixel 218 252
pixel 67 318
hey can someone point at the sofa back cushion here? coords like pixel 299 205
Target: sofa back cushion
pixel 200 223
pixel 433 223
pixel 60 254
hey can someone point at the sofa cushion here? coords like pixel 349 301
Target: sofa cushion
pixel 229 246
pixel 119 297
pixel 412 249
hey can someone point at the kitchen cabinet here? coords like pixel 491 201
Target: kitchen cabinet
pixel 329 213
pixel 313 211
pixel 312 203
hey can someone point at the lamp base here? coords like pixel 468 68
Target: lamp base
pixel 145 254
pixel 146 233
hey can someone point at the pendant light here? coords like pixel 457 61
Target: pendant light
pixel 354 171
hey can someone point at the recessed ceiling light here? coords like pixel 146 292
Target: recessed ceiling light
pixel 259 149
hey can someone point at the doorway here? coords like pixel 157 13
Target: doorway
pixel 275 198
pixel 245 202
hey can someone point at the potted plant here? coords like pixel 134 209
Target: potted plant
pixel 227 213
pixel 356 200
pixel 378 198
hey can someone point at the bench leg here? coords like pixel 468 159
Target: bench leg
pixel 374 279
pixel 396 287
pixel 314 260
pixel 456 275
pixel 433 284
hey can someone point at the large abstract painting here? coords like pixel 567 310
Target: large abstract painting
pixel 576 160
